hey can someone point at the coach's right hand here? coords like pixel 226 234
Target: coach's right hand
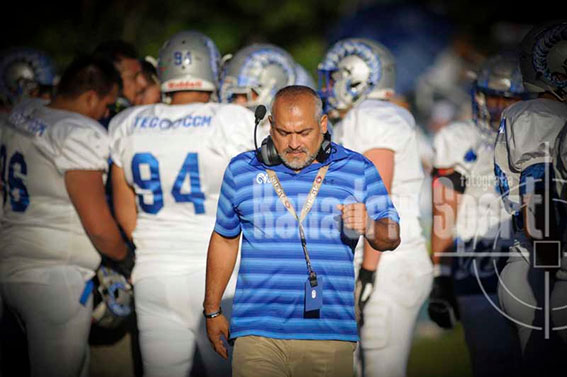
pixel 217 328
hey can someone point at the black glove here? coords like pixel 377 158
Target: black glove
pixel 126 265
pixel 443 308
pixel 362 291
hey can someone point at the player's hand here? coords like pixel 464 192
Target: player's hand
pixel 354 217
pixel 362 291
pixel 443 308
pixel 217 328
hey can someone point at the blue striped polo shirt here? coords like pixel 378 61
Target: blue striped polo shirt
pixel 270 289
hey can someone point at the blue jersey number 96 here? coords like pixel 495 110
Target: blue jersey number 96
pixel 13 183
pixel 190 167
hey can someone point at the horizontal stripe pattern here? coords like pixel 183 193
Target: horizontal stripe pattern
pixel 270 289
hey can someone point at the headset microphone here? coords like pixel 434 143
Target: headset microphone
pixel 259 114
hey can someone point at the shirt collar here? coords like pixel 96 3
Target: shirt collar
pixel 337 153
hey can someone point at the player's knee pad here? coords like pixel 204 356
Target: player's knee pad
pixel 520 292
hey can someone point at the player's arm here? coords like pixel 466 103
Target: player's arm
pixel 383 234
pixel 446 193
pixel 539 212
pixel 124 201
pixel 383 160
pixel 221 258
pixel 447 188
pixel 86 191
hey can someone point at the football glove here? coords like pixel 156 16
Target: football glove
pixel 126 265
pixel 443 308
pixel 363 289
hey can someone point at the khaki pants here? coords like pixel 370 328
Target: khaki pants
pixel 267 357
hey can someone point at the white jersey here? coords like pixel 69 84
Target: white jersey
pixel 526 137
pixel 40 226
pixel 174 156
pixel 3 124
pixel 560 163
pixel 375 124
pixel 463 147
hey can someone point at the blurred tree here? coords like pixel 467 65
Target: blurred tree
pixel 65 28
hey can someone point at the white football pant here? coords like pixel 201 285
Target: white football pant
pixel 57 325
pixel 171 324
pixel 390 315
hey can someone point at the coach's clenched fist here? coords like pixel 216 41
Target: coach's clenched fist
pixel 355 217
pixel 382 234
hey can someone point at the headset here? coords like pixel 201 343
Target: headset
pixel 268 155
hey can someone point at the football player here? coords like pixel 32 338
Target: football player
pixel 253 76
pixel 255 73
pixel 25 72
pixel 559 294
pixel 56 220
pixel 523 166
pixel 358 78
pixel 168 164
pixel 125 58
pixel 148 83
pixel 469 217
pixel 560 163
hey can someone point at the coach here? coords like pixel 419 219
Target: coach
pixel 301 203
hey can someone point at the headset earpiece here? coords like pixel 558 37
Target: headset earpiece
pixel 268 154
pixel 325 150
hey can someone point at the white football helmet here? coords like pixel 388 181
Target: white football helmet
pixel 22 70
pixel 113 298
pixel 257 71
pixel 355 69
pixel 498 76
pixel 543 59
pixel 189 61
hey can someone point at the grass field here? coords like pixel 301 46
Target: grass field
pixel 438 353
pixel 435 353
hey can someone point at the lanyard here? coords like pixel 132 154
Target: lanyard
pixel 304 211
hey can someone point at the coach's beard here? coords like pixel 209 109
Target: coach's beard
pixel 296 164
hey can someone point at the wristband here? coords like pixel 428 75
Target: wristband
pixel 212 315
pixel 366 275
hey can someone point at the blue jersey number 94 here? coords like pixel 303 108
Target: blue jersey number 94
pixel 153 183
